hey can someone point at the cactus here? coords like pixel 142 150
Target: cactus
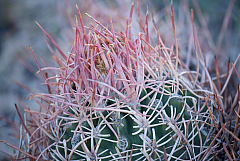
pixel 118 96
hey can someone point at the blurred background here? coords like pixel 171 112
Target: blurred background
pixel 217 26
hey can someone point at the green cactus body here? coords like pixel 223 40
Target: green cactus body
pixel 117 97
pixel 170 122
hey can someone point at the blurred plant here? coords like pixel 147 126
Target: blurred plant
pixel 120 96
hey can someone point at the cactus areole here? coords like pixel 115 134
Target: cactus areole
pixel 120 96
